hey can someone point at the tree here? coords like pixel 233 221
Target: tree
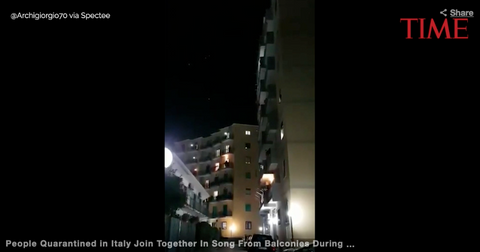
pixel 175 196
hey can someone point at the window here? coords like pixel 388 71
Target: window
pixel 248 208
pixel 270 39
pixel 227 135
pixel 248 191
pixel 224 225
pixel 227 148
pixel 218 153
pixel 207 184
pixel 271 63
pixel 248 175
pixel 248 160
pixel 281 131
pixel 215 193
pixel 248 225
pixel 196 146
pixel 284 169
pixel 247 132
pixel 248 146
pixel 217 166
pixel 225 209
pixel 279 95
pixel 214 211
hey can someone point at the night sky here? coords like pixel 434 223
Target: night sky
pixel 211 66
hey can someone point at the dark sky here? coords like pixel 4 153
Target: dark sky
pixel 211 65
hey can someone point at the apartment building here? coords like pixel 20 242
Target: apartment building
pixel 225 163
pixel 197 196
pixel 286 116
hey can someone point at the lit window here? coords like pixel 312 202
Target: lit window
pixel 224 225
pixel 215 194
pixel 207 184
pixel 281 131
pixel 248 225
pixel 218 153
pixel 191 145
pixel 227 148
pixel 217 166
pixel 247 132
pixel 248 160
pixel 193 157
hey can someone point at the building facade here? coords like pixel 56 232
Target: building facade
pixel 225 163
pixel 197 195
pixel 286 116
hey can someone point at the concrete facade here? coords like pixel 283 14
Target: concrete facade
pixel 286 115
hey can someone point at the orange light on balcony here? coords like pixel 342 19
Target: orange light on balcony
pixel 267 178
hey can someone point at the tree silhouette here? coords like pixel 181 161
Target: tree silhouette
pixel 175 196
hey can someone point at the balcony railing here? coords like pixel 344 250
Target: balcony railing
pixel 225 196
pixel 271 162
pixel 198 205
pixel 221 181
pixel 221 214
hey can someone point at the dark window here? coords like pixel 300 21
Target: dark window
pixel 284 169
pixel 271 63
pixel 248 225
pixel 248 208
pixel 248 146
pixel 224 225
pixel 270 37
pixel 279 95
pixel 248 160
pixel 248 175
pixel 248 191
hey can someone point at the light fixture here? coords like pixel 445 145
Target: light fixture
pixel 168 157
pixel 196 169
pixel 273 220
pixel 232 228
pixel 295 213
pixel 191 145
pixel 260 229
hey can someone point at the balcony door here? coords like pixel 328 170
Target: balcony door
pixel 225 210
pixel 214 211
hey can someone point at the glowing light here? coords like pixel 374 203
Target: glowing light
pixel 232 228
pixel 295 213
pixel 168 158
pixel 260 229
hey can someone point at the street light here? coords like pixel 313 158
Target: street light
pixel 232 228
pixel 295 212
pixel 168 158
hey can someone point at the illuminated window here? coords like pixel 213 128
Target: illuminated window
pixel 215 194
pixel 248 160
pixel 218 153
pixel 224 225
pixel 217 166
pixel 281 131
pixel 207 184
pixel 227 148
pixel 193 157
pixel 247 132
pixel 248 225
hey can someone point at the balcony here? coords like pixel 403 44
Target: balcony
pixel 197 206
pixel 220 214
pixel 190 160
pixel 271 162
pixel 224 151
pixel 265 140
pixel 225 196
pixel 219 181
